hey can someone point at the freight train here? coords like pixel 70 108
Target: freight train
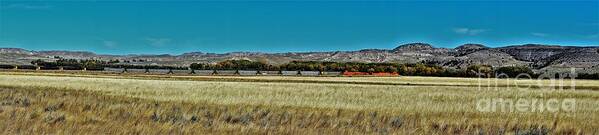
pixel 197 72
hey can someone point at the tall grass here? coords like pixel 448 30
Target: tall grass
pixel 295 107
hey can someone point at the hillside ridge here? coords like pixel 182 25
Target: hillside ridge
pixel 537 56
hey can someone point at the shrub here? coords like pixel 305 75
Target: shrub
pixel 513 71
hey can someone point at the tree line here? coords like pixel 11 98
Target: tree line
pixel 412 69
pixel 92 64
pixel 71 64
pixel 234 65
pixel 297 65
pixel 128 66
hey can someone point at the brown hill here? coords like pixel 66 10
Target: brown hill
pixel 533 55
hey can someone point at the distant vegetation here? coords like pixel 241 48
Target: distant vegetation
pixel 413 69
pixel 588 76
pixel 513 71
pixel 128 66
pixel 72 64
pixel 234 65
pixel 418 69
pixel 314 66
pixel 339 66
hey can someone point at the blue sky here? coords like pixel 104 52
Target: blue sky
pixel 158 27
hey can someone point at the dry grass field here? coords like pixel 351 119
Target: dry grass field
pixel 55 103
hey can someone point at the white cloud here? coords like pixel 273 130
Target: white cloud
pixel 469 31
pixel 110 44
pixel 28 6
pixel 158 42
pixel 539 34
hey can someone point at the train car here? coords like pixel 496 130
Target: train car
pixel 159 71
pixel 310 73
pixel 136 70
pixel 332 73
pixel 347 73
pixel 49 68
pixel 203 72
pixel 270 72
pixel 7 66
pixel 71 68
pixel 290 73
pixel 28 67
pixel 181 71
pixel 114 70
pixel 385 74
pixel 226 72
pixel 248 72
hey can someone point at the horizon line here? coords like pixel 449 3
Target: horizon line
pixel 299 51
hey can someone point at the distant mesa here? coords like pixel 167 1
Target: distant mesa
pixel 68 53
pixel 537 46
pixel 15 51
pixel 414 47
pixel 468 49
pixel 372 50
pixel 193 53
pixel 537 56
pixel 471 47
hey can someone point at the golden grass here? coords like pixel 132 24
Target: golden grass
pixel 421 109
pixel 403 80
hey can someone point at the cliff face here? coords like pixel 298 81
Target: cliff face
pixel 536 56
pixel 414 47
pixel 15 51
pixel 533 52
pixel 469 48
